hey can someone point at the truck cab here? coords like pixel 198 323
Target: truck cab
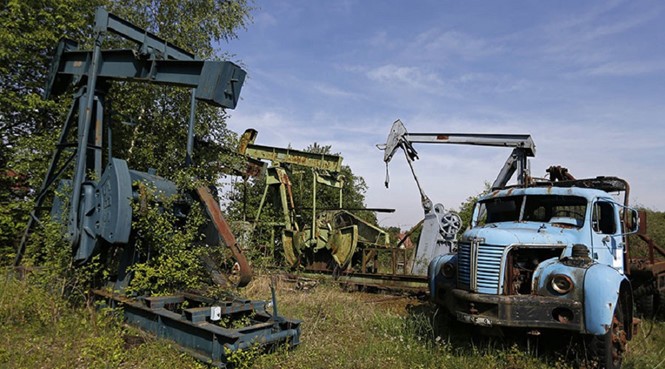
pixel 546 256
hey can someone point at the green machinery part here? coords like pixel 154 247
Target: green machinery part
pixel 337 236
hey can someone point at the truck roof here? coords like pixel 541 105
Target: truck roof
pixel 588 193
pixel 607 184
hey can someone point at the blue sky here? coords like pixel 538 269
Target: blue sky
pixel 585 79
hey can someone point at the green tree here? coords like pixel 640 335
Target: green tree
pixel 655 229
pixel 30 30
pixel 160 114
pixel 394 233
pixel 466 208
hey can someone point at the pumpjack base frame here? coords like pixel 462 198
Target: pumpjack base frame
pixel 186 320
pixel 413 284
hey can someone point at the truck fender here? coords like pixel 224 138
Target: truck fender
pixel 545 268
pixel 603 285
pixel 433 273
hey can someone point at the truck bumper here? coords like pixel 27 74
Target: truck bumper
pixel 515 311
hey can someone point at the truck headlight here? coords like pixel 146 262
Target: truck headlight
pixel 561 284
pixel 448 270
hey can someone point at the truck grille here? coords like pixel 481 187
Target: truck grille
pixel 464 266
pixel 479 270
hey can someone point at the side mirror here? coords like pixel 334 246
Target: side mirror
pixel 632 221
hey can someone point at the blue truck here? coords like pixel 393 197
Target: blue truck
pixel 541 254
pixel 548 256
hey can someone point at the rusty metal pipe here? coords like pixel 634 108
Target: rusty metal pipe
pixel 224 231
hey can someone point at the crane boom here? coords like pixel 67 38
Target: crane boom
pixel 522 144
pixel 480 139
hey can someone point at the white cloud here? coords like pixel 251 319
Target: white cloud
pixel 334 91
pixel 626 68
pixel 440 45
pixel 381 40
pixel 411 77
pixel 264 20
pixel 586 38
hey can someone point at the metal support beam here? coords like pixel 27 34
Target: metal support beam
pixel 280 155
pixel 479 139
pixel 150 43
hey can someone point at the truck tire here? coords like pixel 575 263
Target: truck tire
pixel 646 306
pixel 607 350
pixel 660 305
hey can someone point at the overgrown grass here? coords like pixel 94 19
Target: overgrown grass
pixel 359 330
pixel 647 349
pixel 340 330
pixel 40 330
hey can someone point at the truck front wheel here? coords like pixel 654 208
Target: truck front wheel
pixel 646 306
pixel 608 349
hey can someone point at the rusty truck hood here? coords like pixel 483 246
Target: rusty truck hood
pixel 534 233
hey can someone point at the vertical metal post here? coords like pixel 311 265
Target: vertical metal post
pixel 190 129
pixel 244 199
pixel 341 187
pixel 522 169
pixel 109 138
pixel 263 198
pixel 85 119
pixel 313 230
pixel 275 312
pixel 272 241
pixel 98 136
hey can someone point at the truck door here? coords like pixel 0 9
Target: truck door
pixel 606 237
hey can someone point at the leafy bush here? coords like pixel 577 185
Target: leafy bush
pixel 170 247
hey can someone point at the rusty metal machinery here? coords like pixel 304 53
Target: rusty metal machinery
pixel 647 274
pixel 330 241
pixel 97 211
pixel 334 242
pixel 325 168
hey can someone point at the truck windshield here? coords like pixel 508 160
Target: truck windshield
pixel 555 209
